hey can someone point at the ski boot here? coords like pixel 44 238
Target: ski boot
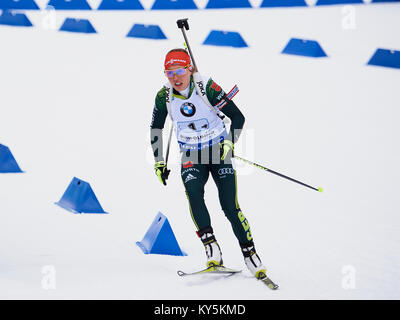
pixel 254 264
pixel 213 251
pixel 253 261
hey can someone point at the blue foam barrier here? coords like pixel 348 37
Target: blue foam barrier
pixel 69 4
pixel 146 32
pixel 306 48
pixel 11 18
pixel 8 164
pixel 120 5
pixel 77 25
pixel 80 198
pixel 332 2
pixel 19 4
pixel 174 5
pixel 160 239
pixel 385 58
pixel 224 4
pixel 282 3
pixel 225 39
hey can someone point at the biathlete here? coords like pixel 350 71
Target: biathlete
pixel 206 148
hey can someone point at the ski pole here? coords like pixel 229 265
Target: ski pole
pixel 278 174
pixel 169 144
pixel 167 154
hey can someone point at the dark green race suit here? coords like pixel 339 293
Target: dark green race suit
pixel 196 166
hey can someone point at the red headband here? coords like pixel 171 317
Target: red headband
pixel 176 58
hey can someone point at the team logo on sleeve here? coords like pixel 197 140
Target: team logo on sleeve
pixel 188 109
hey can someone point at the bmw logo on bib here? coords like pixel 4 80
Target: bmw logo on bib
pixel 188 109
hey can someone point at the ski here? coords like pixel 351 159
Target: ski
pixel 261 276
pixel 269 283
pixel 224 270
pixel 210 270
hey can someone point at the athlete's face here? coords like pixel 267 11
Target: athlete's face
pixel 180 79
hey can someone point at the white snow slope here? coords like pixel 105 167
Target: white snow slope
pixel 81 105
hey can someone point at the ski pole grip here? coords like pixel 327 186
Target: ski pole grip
pixel 183 23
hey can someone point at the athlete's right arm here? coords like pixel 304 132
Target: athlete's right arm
pixel 157 125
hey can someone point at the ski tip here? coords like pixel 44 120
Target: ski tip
pixel 320 189
pixel 273 286
pixel 269 283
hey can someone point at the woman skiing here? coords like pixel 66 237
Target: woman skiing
pixel 206 147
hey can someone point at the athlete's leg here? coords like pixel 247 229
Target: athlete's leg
pixel 194 177
pixel 225 178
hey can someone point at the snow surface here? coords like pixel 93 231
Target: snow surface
pixel 81 105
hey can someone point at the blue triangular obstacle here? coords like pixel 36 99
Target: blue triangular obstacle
pixel 19 4
pixel 301 47
pixel 146 32
pixel 77 25
pixel 11 18
pixel 69 4
pixel 160 238
pixel 7 161
pixel 120 5
pixel 80 198
pixel 173 5
pixel 282 3
pixel 225 39
pixel 330 2
pixel 222 4
pixel 385 58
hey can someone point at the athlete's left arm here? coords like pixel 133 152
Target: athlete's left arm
pixel 215 95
